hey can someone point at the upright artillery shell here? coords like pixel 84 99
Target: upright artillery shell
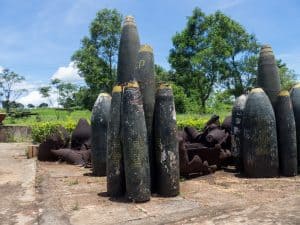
pixel 260 154
pixel 237 130
pixel 115 167
pixel 135 149
pixel 286 134
pixel 166 146
pixel 295 97
pixel 144 73
pixel 99 122
pixel 128 51
pixel 268 77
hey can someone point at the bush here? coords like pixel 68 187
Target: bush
pixel 40 131
pixel 191 122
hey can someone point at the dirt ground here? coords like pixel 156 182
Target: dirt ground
pixel 66 194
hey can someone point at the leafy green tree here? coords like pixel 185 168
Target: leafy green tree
pixel 213 50
pixel 30 106
pixel 43 105
pixel 65 92
pixel 161 74
pixel 45 92
pixel 96 59
pixel 238 49
pixel 8 89
pixel 193 59
pixel 287 76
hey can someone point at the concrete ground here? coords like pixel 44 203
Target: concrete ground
pixel 67 194
pixel 17 186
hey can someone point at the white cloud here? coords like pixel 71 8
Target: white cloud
pixel 68 73
pixel 35 98
pixel 1 69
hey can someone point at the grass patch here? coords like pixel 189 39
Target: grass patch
pixel 73 182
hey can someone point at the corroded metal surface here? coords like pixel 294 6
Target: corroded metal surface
pixel 260 153
pixel 99 123
pixel 115 166
pixel 166 146
pixel 286 134
pixel 134 143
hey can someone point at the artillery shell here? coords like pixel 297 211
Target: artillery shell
pixel 166 145
pixel 295 97
pixel 115 167
pixel 135 148
pixel 145 76
pixel 286 134
pixel 237 130
pixel 260 153
pixel 268 77
pixel 128 50
pixel 99 122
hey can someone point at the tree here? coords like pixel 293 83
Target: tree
pixel 287 76
pixel 30 106
pixel 65 92
pixel 213 50
pixel 192 59
pixel 96 59
pixel 8 89
pixel 45 92
pixel 43 105
pixel 239 52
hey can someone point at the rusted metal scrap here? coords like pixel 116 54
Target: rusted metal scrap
pixel 203 152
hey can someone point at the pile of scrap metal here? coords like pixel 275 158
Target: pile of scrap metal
pixel 204 152
pixel 57 146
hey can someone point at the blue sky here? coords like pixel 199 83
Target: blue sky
pixel 39 37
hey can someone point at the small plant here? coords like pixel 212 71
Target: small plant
pixel 73 182
pixel 76 206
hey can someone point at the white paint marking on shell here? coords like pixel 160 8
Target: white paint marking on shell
pixel 163 156
pixel 174 112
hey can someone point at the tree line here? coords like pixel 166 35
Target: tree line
pixel 212 61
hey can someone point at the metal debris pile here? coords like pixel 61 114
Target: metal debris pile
pixel 204 152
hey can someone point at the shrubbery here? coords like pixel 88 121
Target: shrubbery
pixel 40 131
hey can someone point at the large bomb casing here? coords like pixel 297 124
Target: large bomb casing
pixel 237 130
pixel 260 153
pixel 128 51
pixel 295 97
pixel 268 77
pixel 144 73
pixel 134 143
pixel 166 144
pixel 286 134
pixel 115 167
pixel 99 122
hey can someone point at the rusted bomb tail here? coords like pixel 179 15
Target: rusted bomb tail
pixel 268 77
pixel 134 142
pixel 237 130
pixel 115 167
pixel 286 133
pixel 144 73
pixel 128 50
pixel 99 122
pixel 260 153
pixel 166 146
pixel 295 97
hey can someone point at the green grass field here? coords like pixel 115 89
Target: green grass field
pixel 53 115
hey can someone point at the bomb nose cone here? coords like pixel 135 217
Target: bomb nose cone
pixel 266 50
pixel 146 48
pixel 268 77
pixel 129 20
pixel 256 90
